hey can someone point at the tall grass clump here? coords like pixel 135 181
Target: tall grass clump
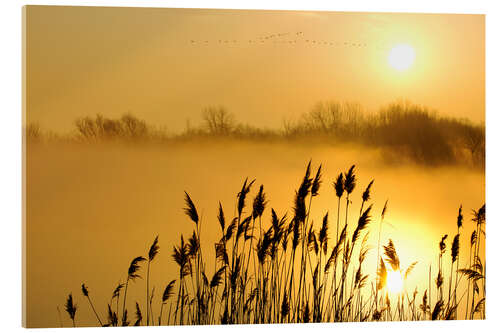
pixel 289 268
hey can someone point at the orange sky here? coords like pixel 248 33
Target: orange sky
pixel 88 60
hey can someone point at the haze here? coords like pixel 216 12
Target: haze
pixel 87 60
pixel 90 210
pixel 96 198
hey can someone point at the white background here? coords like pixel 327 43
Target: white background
pixel 11 157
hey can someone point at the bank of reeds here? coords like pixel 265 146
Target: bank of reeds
pixel 273 268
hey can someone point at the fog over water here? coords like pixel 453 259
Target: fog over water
pixel 90 209
pixel 127 108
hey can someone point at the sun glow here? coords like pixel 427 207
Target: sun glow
pixel 401 57
pixel 394 281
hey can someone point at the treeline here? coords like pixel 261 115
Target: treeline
pixel 400 129
pixel 406 129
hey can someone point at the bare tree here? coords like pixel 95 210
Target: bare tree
pixel 334 118
pixel 289 128
pixel 133 127
pixel 218 120
pixel 474 141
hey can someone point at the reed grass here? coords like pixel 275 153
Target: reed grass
pixel 289 270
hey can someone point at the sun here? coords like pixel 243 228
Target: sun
pixel 401 57
pixel 394 281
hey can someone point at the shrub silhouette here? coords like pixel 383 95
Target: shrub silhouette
pixel 32 132
pixel 128 127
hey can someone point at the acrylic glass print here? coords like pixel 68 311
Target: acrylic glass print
pixel 200 167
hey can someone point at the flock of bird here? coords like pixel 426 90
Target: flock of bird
pixel 279 38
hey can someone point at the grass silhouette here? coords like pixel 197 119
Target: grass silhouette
pixel 289 272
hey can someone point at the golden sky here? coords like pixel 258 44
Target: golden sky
pixel 87 60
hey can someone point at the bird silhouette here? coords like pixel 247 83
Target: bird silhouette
pixel 279 38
